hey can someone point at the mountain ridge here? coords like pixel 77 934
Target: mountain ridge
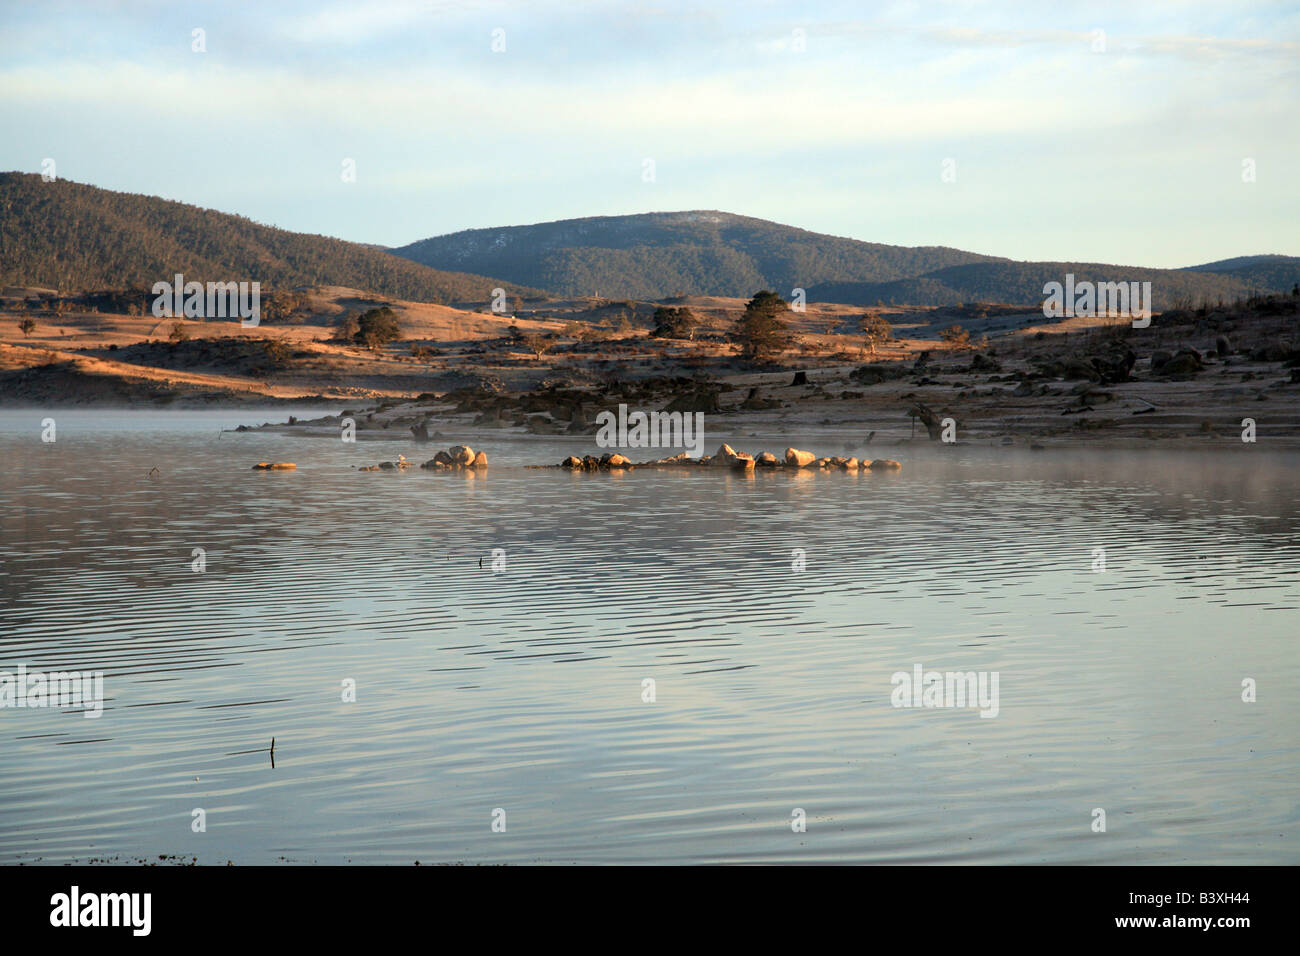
pixel 712 252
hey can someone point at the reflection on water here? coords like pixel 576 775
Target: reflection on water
pixel 522 688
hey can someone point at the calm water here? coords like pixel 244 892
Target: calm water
pixel 521 689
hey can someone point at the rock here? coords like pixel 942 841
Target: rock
pixel 701 400
pixel 480 460
pixel 1186 362
pixel 852 465
pixel 1159 358
pixel 767 460
pixel 274 466
pixel 799 459
pixel 461 454
pixel 724 456
pixel 387 466
pixel 1222 346
pixel 931 421
pixel 571 462
pixel 822 462
pixel 982 363
pixel 742 463
pixel 884 464
pixel 617 461
pixel 442 458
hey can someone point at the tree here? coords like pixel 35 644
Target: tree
pixel 955 336
pixel 28 326
pixel 345 330
pixel 674 323
pixel 179 333
pixel 378 327
pixel 759 332
pixel 876 329
pixel 537 344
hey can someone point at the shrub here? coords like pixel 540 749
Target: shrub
pixel 378 327
pixel 955 336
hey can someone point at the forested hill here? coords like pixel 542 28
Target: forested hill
pixel 656 255
pixel 73 237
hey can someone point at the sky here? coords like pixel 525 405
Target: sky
pixel 1153 133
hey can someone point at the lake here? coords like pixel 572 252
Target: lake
pixel 500 632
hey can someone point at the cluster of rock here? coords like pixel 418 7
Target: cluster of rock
pixel 728 457
pixel 455 457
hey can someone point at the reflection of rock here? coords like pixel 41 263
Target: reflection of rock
pixel 799 459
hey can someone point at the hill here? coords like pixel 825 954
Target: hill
pixel 658 255
pixel 1275 273
pixel 1022 282
pixel 75 237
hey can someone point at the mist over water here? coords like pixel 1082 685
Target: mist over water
pixel 522 689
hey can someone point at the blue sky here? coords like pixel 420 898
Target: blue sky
pixel 1132 153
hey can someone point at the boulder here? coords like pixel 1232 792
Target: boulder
pixel 1186 362
pixel 767 460
pixel 617 461
pixel 852 465
pixel 884 464
pixel 274 466
pixel 799 459
pixel 725 457
pixel 480 460
pixel 571 462
pixel 461 454
pixel 742 463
